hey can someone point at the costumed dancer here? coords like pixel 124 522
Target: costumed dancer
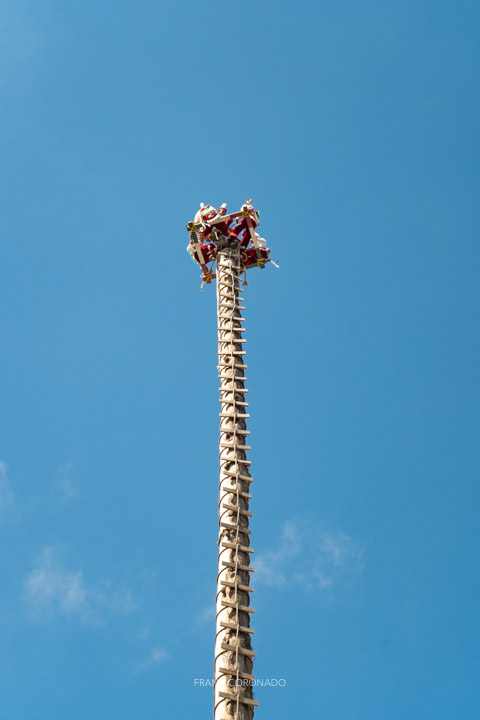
pixel 249 220
pixel 207 214
pixel 252 252
pixel 201 247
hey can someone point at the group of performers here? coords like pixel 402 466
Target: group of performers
pixel 209 223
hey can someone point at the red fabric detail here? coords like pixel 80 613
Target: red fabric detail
pixel 252 255
pixel 208 252
pixel 242 227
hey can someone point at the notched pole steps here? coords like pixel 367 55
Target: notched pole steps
pixel 233 694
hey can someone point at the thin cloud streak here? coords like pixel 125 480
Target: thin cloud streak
pixel 64 483
pixel 156 656
pixel 6 493
pixel 310 557
pixel 52 589
pixel 206 615
pixel 271 566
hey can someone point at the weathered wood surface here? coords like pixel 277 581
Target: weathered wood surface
pixel 233 694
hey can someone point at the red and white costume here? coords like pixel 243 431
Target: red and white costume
pixel 243 225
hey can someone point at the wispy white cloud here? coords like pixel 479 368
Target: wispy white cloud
pixel 156 656
pixel 271 566
pixel 104 594
pixel 311 557
pixel 6 493
pixel 206 615
pixel 143 633
pixel 51 588
pixel 64 483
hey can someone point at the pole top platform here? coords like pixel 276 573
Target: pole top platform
pixel 213 230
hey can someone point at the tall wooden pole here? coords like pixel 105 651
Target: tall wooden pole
pixel 233 694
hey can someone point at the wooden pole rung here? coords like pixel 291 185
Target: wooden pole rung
pixel 234 491
pixel 230 324
pixel 232 546
pixel 232 366
pixel 224 291
pixel 237 431
pixel 236 467
pixel 241 650
pixel 236 566
pixel 245 478
pixel 224 389
pixel 232 390
pixel 236 470
pixel 229 506
pixel 241 628
pixel 245 588
pixel 233 698
pixel 238 318
pixel 223 459
pixel 240 403
pixel 229 526
pixel 232 400
pixel 242 391
pixel 235 447
pixel 236 606
pixel 227 362
pixel 233 673
pixel 235 378
pixel 233 415
pixel 237 476
pixel 226 459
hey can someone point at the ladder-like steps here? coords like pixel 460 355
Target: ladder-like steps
pixel 232 535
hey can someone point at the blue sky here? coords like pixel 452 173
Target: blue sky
pixel 354 127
